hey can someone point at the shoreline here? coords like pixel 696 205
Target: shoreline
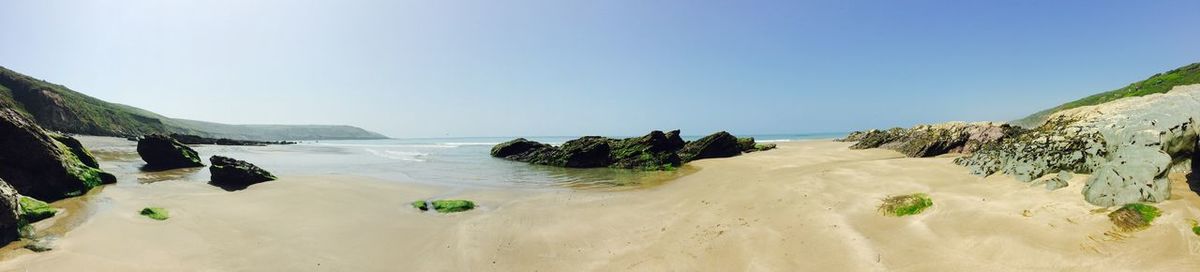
pixel 806 205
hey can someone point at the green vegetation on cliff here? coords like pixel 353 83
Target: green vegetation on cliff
pixel 56 107
pixel 1158 83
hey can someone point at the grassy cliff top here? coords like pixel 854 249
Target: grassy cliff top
pixel 59 108
pixel 1158 83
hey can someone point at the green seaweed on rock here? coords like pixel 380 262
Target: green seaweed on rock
pixel 1134 216
pixel 902 205
pixel 155 213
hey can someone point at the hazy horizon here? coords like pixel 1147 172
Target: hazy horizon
pixel 416 69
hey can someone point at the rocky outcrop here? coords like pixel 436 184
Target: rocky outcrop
pixel 163 153
pixel 10 220
pixel 232 174
pixel 718 145
pixel 749 145
pixel 654 151
pixel 1128 146
pixel 933 140
pixel 38 165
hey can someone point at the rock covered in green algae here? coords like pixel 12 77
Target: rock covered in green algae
pixel 748 145
pixel 445 205
pixel 235 174
pixel 654 151
pixel 162 152
pixel 1134 216
pixel 33 210
pixel 903 205
pixel 155 213
pixel 37 164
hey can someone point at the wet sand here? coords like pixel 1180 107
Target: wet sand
pixel 806 206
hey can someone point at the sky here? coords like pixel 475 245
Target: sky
pixel 447 68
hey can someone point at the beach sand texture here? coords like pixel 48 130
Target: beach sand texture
pixel 808 205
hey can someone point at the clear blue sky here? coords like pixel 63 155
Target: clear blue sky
pixel 555 67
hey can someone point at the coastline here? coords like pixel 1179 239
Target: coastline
pixel 806 205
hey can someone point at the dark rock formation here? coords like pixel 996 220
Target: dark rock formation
pixel 654 151
pixel 193 139
pixel 163 153
pixel 232 174
pixel 10 220
pixel 39 165
pixel 718 145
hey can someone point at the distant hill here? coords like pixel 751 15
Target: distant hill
pixel 57 107
pixel 1158 83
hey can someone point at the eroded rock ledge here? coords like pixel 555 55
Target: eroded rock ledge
pixel 1128 146
pixel 654 151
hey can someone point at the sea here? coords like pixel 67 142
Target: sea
pixel 442 161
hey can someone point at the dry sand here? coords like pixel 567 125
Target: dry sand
pixel 806 206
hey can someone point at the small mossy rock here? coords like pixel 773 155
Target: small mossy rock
pixel 10 214
pixel 764 147
pixel 33 210
pixel 421 205
pixel 746 144
pixel 162 152
pixel 38 165
pixel 453 205
pixel 236 174
pixel 155 213
pixel 903 205
pixel 1134 216
pixel 718 145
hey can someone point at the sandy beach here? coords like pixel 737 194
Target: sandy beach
pixel 809 205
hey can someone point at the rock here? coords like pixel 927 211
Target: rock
pixel 655 151
pixel 876 138
pixel 586 152
pixel 233 174
pixel 517 148
pixel 444 206
pixel 933 140
pixel 1127 145
pixel 164 153
pixel 1059 181
pixel 762 147
pixel 674 141
pixel 10 215
pixel 33 210
pixel 155 213
pixel 853 137
pixel 42 244
pixel 717 145
pixel 746 144
pixel 39 165
pixel 452 206
pixel 77 149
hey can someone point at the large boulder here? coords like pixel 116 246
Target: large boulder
pixel 10 220
pixel 162 152
pixel 235 174
pixel 517 147
pixel 39 165
pixel 1128 146
pixel 718 145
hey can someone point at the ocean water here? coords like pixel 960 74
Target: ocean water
pixel 446 161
